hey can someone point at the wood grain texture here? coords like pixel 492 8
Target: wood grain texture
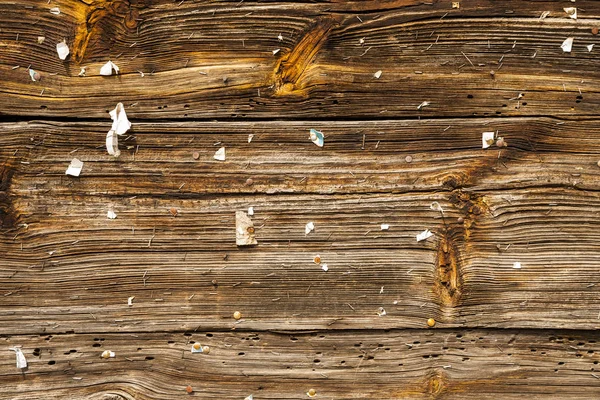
pixel 219 62
pixel 435 364
pixel 157 158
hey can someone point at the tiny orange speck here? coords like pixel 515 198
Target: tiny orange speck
pixel 189 389
pixel 431 322
pixel 237 315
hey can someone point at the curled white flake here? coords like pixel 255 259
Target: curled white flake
pixel 130 301
pixel 590 47
pixel 324 267
pixel 571 12
pixel 385 227
pixel 108 68
pixel 381 312
pixel 111 214
pixel 517 265
pixel 250 211
pixel 62 49
pixel 377 74
pixel 21 361
pixel 310 226
pixel 55 11
pixel 567 45
pixel 423 104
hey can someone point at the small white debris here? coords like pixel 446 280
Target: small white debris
pixel 455 4
pixel 250 137
pixel 385 227
pixel 251 397
pixel 120 122
pixel 82 71
pixel 40 39
pixel 544 15
pixel 280 37
pixel 250 211
pixel 75 167
pixel 571 12
pixel 244 230
pixel 108 354
pixel 361 41
pixel 423 104
pixel 130 301
pixel 435 206
pixel 51 252
pixel 487 139
pixel 309 228
pixel 119 126
pixel 21 361
pixel 55 11
pixel 33 74
pixel 426 234
pixel 377 74
pixel 276 51
pixel 317 137
pixel 111 214
pixel 590 47
pixel 567 45
pixel 381 290
pixel 381 312
pixel 108 68
pixel 324 267
pixel 517 265
pixel 62 49
pixel 220 154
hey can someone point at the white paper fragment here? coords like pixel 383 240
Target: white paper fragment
pixel 32 74
pixel 107 69
pixel 276 51
pixel 280 37
pixel 487 139
pixel 571 12
pixel 75 167
pixel 111 214
pixel 361 41
pixel 62 49
pixel 381 312
pixel 55 11
pixel 377 74
pixel 250 211
pixel 244 230
pixel 567 45
pixel 324 267
pixel 197 348
pixel 544 15
pixel 40 39
pixel 309 228
pixel 112 144
pixel 590 47
pixel 251 397
pixel 381 290
pixel 220 154
pixel 517 265
pixel 120 122
pixel 317 137
pixel 21 361
pixel 385 227
pixel 423 104
pixel 130 301
pixel 424 235
pixel 108 354
pixel 250 136
pixel 82 71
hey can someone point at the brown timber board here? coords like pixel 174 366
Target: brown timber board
pixel 409 364
pixel 219 62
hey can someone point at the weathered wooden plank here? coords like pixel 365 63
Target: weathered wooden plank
pixel 445 364
pixel 219 63
pixel 67 267
pixel 157 159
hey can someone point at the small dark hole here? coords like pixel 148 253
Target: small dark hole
pixel 316 361
pixel 96 345
pixel 209 335
pixel 469 96
pixel 241 353
pixel 149 358
pixel 51 362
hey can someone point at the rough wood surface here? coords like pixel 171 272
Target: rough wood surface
pixel 410 364
pixel 402 90
pixel 219 62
